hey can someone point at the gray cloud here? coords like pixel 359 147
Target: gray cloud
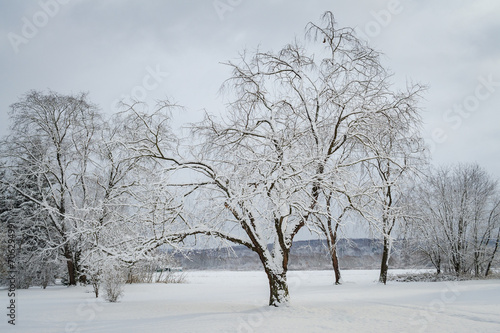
pixel 110 47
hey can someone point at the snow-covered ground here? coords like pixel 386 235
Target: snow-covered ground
pixel 222 301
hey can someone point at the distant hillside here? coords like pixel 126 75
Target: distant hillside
pixel 361 253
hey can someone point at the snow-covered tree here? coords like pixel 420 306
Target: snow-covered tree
pixel 295 120
pixel 107 225
pixel 47 154
pixel 78 193
pixel 400 156
pixel 459 219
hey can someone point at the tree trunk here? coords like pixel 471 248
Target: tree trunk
pixel 384 267
pixel 95 286
pixel 335 263
pixel 71 272
pixel 278 288
pixel 438 265
pixel 495 249
pixel 477 266
pixel 331 239
pixel 457 267
pixel 275 267
pixel 71 266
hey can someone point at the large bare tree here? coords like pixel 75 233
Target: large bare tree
pixel 459 219
pixel 47 156
pixel 295 119
pixel 76 191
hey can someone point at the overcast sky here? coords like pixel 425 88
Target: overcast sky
pixel 149 49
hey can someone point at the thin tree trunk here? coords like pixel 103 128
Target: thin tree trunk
pixel 332 246
pixel 331 238
pixel 71 266
pixel 335 263
pixel 71 272
pixel 384 267
pixel 495 249
pixel 438 265
pixel 333 249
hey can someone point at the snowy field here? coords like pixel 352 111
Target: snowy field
pixel 221 301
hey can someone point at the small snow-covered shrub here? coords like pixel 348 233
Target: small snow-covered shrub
pixel 46 274
pixel 425 277
pixel 141 272
pixel 146 269
pixel 171 277
pixel 94 278
pixel 113 280
pixel 95 281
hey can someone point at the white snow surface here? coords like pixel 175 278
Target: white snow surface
pixel 228 301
